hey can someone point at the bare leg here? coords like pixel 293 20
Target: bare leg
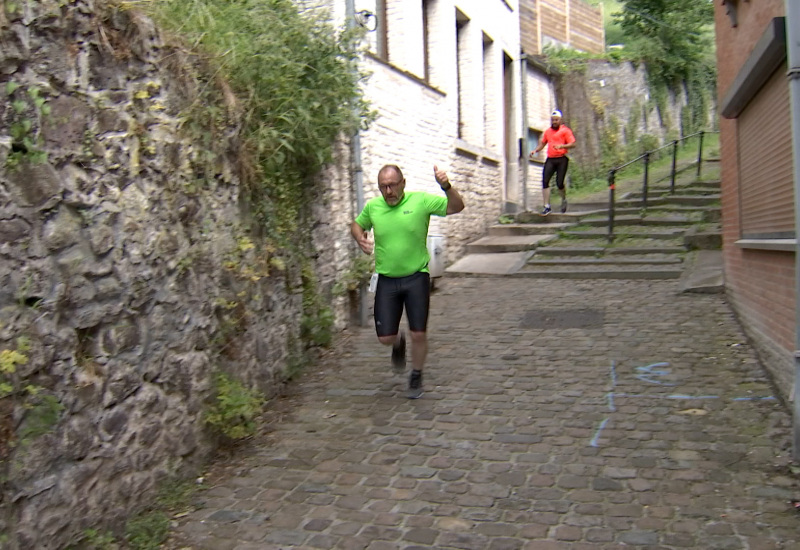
pixel 388 340
pixel 546 196
pixel 419 349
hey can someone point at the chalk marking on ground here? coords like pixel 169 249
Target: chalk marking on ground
pixel 653 369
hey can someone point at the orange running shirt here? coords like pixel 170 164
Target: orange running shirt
pixel 562 136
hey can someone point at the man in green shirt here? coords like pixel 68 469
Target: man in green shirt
pixel 399 222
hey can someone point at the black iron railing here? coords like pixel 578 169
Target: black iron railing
pixel 645 159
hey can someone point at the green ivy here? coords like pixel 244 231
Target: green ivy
pixel 317 321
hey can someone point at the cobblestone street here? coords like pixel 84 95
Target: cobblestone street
pixel 557 415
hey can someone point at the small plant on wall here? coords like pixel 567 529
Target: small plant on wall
pixel 235 409
pixel 27 107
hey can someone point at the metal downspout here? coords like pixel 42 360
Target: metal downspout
pixel 358 174
pixel 793 58
pixel 525 147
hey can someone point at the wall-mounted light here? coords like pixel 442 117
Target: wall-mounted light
pixel 367 19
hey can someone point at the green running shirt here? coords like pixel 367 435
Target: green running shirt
pixel 401 231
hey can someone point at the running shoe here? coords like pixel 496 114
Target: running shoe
pixel 415 384
pixel 563 205
pixel 399 354
pixel 546 210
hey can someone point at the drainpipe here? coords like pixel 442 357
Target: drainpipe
pixel 524 149
pixel 793 58
pixel 358 174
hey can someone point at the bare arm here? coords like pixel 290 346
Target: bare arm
pixel 565 146
pixel 539 147
pixel 361 236
pixel 455 203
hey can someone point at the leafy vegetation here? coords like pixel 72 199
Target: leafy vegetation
pixel 673 38
pixel 660 165
pixel 236 408
pixel 359 272
pixel 27 108
pixel 317 321
pixel 295 87
pixel 42 410
pixel 674 41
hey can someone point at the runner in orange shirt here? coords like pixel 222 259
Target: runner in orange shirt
pixel 559 139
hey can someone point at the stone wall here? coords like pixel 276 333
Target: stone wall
pixel 606 99
pixel 127 273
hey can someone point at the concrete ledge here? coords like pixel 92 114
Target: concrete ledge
pixel 704 273
pixel 504 263
pixel 705 240
pixel 783 245
pixel 533 273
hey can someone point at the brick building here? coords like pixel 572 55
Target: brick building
pixel 758 175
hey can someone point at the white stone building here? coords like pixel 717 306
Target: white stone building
pixel 446 79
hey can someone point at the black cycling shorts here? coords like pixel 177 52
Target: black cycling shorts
pixel 557 166
pixel 413 292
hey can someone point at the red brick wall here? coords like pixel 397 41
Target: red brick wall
pixel 760 284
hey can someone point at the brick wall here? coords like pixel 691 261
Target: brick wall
pixel 760 284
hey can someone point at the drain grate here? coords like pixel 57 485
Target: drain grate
pixel 566 318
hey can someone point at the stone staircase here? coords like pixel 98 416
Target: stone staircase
pixel 656 242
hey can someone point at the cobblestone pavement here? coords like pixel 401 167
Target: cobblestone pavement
pixel 557 415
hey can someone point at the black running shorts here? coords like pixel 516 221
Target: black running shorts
pixel 557 166
pixel 413 292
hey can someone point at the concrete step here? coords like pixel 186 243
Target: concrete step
pixel 701 214
pixel 644 260
pixel 595 272
pixel 664 192
pixel 646 250
pixel 515 229
pixel 621 232
pixel 650 221
pixel 504 263
pixel 607 251
pixel 678 208
pixel 680 186
pixel 704 200
pixel 575 212
pixel 508 243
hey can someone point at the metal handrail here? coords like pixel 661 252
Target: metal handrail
pixel 612 173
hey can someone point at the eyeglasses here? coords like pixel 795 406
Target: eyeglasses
pixel 390 186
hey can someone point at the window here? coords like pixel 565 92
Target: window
pixel 427 11
pixel 534 136
pixel 461 55
pixel 489 79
